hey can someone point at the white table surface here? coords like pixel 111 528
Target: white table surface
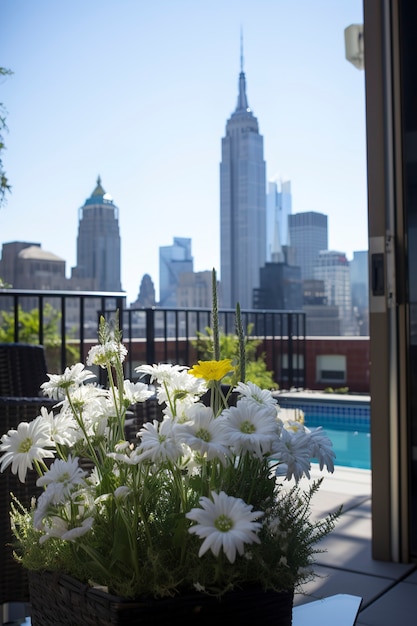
pixel 341 609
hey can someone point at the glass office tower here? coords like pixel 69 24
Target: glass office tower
pixel 308 236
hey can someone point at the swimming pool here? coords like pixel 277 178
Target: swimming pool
pixel 352 447
pixel 345 420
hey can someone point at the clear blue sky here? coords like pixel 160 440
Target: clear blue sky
pixel 139 92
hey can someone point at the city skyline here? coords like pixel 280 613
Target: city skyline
pixel 140 94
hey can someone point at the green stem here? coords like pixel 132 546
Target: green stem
pixel 215 318
pixel 242 351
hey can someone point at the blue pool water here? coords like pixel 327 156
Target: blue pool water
pixel 345 421
pixel 351 439
pixel 352 448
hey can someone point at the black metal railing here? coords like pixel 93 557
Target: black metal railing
pixel 78 313
pixel 171 335
pixel 155 334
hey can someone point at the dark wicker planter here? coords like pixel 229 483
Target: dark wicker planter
pixel 13 577
pixel 59 600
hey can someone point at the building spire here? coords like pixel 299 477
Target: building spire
pixel 241 49
pixel 242 101
pixel 98 191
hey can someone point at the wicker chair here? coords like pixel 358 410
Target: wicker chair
pixel 22 370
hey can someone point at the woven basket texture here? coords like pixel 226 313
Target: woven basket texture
pixel 139 414
pixel 22 370
pixel 13 577
pixel 59 600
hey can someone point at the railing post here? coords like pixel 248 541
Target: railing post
pixel 120 305
pixel 40 309
pixel 63 337
pixel 16 318
pixel 304 349
pixel 150 336
pixel 290 351
pixel 82 310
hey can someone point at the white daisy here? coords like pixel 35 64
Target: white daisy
pixel 250 428
pixel 78 531
pixel 225 522
pixel 255 394
pixel 125 453
pixel 181 409
pixel 161 372
pixel 42 506
pixel 29 443
pixel 294 450
pixel 109 352
pixel 58 384
pixel 203 433
pixel 136 392
pixel 63 427
pixel 322 449
pixel 53 527
pixel 179 386
pixel 158 442
pixel 89 405
pixel 62 477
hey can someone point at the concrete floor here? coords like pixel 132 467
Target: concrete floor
pixel 388 590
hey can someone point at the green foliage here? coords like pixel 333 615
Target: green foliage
pixel 341 390
pixel 4 183
pixel 29 326
pixel 255 366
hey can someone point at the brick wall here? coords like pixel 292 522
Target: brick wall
pixel 356 350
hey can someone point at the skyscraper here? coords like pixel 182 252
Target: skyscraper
pixel 308 236
pixel 173 261
pixel 333 268
pixel 278 208
pixel 242 204
pixel 98 243
pixel 360 289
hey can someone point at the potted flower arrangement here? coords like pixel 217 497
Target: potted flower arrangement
pixel 201 510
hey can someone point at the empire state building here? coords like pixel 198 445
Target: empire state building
pixel 242 204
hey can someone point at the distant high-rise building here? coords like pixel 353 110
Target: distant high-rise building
pixel 173 261
pixel 322 319
pixel 146 295
pixel 242 204
pixel 195 290
pixel 360 289
pixel 308 237
pixel 98 243
pixel 280 288
pixel 333 268
pixel 278 208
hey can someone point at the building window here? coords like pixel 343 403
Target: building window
pixel 331 368
pixel 292 371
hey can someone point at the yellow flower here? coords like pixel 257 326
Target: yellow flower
pixel 212 370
